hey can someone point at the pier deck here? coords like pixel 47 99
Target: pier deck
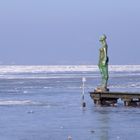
pixel 110 98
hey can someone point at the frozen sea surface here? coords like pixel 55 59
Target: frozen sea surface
pixel 44 103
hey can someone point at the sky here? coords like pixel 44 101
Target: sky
pixel 67 32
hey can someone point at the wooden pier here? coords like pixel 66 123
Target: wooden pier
pixel 110 98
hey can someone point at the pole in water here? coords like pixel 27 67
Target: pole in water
pixel 83 91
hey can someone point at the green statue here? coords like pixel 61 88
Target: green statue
pixel 103 63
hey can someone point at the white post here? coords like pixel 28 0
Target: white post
pixel 83 91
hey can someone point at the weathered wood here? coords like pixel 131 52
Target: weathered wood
pixel 110 98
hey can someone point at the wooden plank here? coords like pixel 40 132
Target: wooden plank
pixel 116 94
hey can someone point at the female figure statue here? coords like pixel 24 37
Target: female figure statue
pixel 103 63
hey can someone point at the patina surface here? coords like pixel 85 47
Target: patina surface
pixel 103 63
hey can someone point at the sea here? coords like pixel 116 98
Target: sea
pixel 45 103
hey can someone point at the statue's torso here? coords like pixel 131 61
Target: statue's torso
pixel 103 55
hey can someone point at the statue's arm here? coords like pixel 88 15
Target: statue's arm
pixel 105 56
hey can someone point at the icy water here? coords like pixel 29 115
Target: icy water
pixel 44 103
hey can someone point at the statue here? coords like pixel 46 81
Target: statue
pixel 103 65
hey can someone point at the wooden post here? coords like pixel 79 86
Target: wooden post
pixel 98 102
pixel 127 102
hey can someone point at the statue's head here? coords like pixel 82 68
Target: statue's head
pixel 102 38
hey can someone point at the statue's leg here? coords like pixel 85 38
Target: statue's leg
pixel 105 76
pixel 102 75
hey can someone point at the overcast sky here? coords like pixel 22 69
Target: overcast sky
pixel 68 31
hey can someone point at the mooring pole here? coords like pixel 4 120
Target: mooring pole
pixel 83 91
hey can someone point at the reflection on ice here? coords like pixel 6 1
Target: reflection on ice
pixel 16 102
